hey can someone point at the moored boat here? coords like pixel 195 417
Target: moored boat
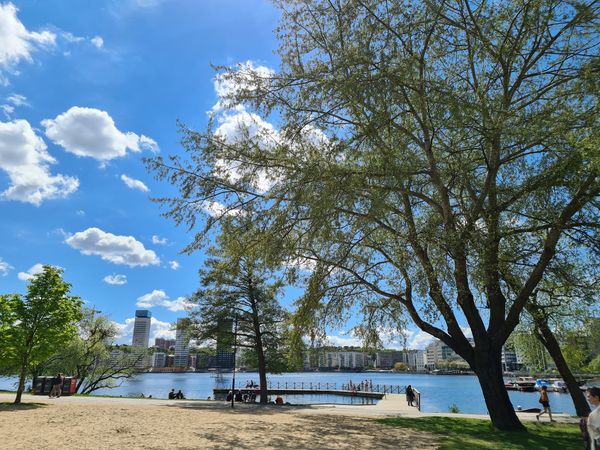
pixel 525 384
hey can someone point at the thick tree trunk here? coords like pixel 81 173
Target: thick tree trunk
pixel 262 375
pixel 549 340
pixel 488 368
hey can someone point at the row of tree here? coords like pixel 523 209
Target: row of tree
pixel 47 331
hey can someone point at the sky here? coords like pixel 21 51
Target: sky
pixel 87 89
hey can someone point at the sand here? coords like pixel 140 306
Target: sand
pixel 107 423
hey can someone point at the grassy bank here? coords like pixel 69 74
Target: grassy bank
pixel 474 434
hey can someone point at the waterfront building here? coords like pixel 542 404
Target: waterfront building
pixel 159 359
pixel 438 351
pixel 164 344
pixel 182 350
pixel 386 360
pixel 141 328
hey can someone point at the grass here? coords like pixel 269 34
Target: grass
pixel 475 434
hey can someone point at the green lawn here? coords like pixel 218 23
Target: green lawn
pixel 474 434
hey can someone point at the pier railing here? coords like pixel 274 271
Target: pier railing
pixel 363 387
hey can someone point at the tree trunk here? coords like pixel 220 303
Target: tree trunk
pixel 21 386
pixel 549 340
pixel 262 375
pixel 488 368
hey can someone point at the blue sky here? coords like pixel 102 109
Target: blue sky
pixel 86 90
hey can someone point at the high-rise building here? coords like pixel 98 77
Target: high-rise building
pixel 141 328
pixel 159 359
pixel 182 350
pixel 163 343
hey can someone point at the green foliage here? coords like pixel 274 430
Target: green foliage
pixel 531 351
pixel 473 434
pixel 453 408
pixel 400 367
pixel 594 365
pixel 43 321
pixel 430 159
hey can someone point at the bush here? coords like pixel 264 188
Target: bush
pixel 453 408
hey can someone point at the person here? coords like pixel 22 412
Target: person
pixel 229 396
pixel 57 384
pixel 545 401
pixel 208 398
pixel 172 394
pixel 142 396
pixel 593 420
pixel 238 396
pixel 179 395
pixel 410 395
pixel 279 400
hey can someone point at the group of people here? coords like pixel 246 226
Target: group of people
pixel 176 395
pixel 364 385
pixel 239 396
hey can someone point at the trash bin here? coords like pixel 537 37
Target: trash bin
pixel 43 385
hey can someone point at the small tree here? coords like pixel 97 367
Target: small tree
pixel 87 356
pixel 400 367
pixel 236 287
pixel 42 321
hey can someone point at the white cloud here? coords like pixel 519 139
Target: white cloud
pixel 92 132
pixel 216 209
pixel 174 265
pixel 17 100
pixel 16 42
pixel 341 341
pixel 420 340
pixel 80 212
pixel 97 41
pixel 33 270
pixel 245 78
pixel 4 267
pixel 158 297
pixel 132 183
pixel 158 329
pixel 24 157
pixel 159 241
pixel 147 143
pixel 115 279
pixel 116 249
pixel 7 110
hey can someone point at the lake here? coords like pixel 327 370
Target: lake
pixel 438 392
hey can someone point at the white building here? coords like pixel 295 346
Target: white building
pixel 141 328
pixel 182 349
pixel 438 351
pixel 346 360
pixel 159 359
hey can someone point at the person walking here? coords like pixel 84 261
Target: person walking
pixel 545 401
pixel 593 420
pixel 57 384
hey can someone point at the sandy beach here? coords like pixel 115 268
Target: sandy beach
pixel 124 423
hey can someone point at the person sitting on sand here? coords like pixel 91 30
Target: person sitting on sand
pixel 172 394
pixel 179 395
pixel 229 396
pixel 238 396
pixel 279 400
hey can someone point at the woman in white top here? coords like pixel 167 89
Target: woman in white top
pixel 593 421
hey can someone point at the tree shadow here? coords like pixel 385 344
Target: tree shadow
pixel 9 406
pixel 245 408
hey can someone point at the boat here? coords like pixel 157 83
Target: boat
pixel 539 383
pixel 525 384
pixel 559 386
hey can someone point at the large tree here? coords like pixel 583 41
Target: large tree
pixel 41 322
pixel 240 290
pixel 422 152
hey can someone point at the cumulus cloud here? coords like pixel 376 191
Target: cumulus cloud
pixel 420 340
pixel 24 158
pixel 158 329
pixel 158 297
pixel 92 132
pixel 116 249
pixel 132 183
pixel 174 265
pixel 158 240
pixel 33 270
pixel 115 279
pixel 97 41
pixel 4 267
pixel 17 43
